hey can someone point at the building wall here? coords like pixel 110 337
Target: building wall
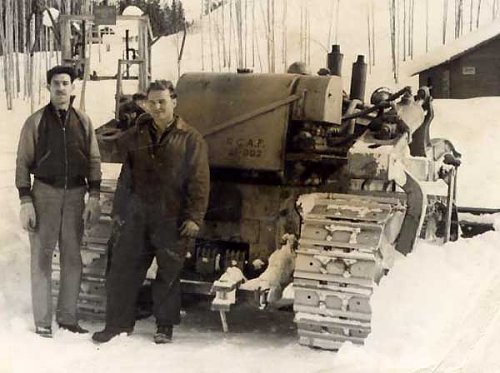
pixel 475 74
pixel 438 78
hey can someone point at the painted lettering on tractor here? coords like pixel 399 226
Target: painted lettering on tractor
pixel 245 147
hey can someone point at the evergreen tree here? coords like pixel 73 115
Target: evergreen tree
pixel 180 15
pixel 211 5
pixel 175 19
pixel 165 20
pixel 173 15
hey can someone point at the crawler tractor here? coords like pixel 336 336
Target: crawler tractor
pixel 294 154
pixel 357 184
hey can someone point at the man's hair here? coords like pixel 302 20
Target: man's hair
pixel 298 67
pixel 162 85
pixel 139 96
pixel 324 71
pixel 60 69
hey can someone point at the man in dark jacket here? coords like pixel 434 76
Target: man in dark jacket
pixel 58 146
pixel 160 202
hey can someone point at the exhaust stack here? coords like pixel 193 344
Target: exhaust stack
pixel 334 60
pixel 358 79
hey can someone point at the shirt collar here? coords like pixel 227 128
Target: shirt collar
pixel 56 110
pixel 156 135
pixel 169 126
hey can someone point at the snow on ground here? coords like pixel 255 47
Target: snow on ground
pixel 433 309
pixel 488 219
pixel 435 312
pixel 472 125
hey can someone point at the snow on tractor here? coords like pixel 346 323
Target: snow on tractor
pixel 309 186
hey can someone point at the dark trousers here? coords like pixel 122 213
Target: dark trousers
pixel 144 235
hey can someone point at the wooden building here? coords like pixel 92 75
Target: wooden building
pixel 465 68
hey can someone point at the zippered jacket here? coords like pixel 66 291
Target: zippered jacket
pixel 170 174
pixel 60 151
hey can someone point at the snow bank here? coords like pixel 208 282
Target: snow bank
pixel 472 126
pixel 489 219
pixel 432 311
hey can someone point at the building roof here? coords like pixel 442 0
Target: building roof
pixel 454 49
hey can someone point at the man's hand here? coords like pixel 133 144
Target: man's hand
pixel 116 225
pixel 28 216
pixel 189 229
pixel 117 222
pixel 91 213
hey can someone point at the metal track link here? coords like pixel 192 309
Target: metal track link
pixel 339 261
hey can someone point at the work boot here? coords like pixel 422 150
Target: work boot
pixel 44 331
pixel 107 334
pixel 73 328
pixel 163 334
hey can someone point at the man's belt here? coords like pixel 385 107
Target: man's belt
pixel 61 182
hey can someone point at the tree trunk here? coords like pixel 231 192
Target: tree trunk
pixel 478 13
pixel 445 18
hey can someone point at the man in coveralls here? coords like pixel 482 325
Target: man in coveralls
pixel 160 202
